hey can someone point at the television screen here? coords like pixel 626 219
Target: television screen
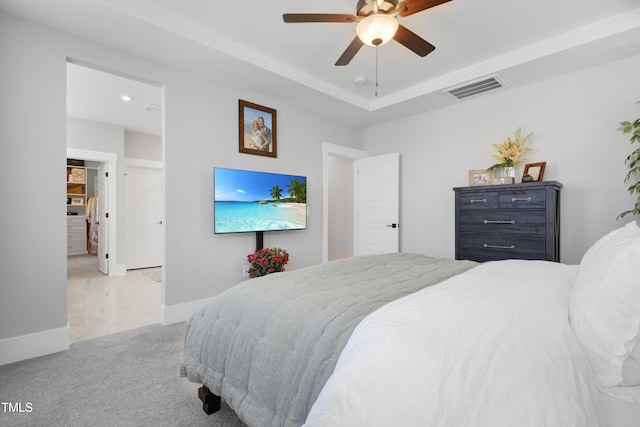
pixel 246 201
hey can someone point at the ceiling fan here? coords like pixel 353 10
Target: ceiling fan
pixel 377 24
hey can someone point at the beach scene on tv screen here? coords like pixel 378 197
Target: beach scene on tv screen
pixel 258 201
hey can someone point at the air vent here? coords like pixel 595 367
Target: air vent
pixel 475 88
pixel 153 108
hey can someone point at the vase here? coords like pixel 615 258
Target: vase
pixel 506 172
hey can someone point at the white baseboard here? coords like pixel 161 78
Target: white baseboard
pixel 181 312
pixel 33 345
pixel 119 270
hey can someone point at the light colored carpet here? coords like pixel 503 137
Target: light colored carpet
pixel 125 379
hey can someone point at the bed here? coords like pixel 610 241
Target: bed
pixel 407 339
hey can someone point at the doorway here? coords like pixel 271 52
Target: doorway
pixel 114 123
pixel 337 177
pixel 112 114
pixel 107 243
pixel 373 194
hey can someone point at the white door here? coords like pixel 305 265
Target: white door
pixel 103 220
pixel 377 204
pixel 144 217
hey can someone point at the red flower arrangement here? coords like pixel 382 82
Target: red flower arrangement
pixel 267 260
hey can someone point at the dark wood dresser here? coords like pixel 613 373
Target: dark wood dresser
pixel 510 221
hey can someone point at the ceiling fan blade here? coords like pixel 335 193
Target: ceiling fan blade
pixel 292 18
pixel 350 52
pixel 415 6
pixel 413 41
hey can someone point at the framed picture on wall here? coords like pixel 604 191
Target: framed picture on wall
pixel 257 129
pixel 481 177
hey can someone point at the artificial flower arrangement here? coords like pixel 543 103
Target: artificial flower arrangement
pixel 511 151
pixel 267 260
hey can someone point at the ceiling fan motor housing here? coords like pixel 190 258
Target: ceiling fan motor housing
pixel 365 8
pixel 377 24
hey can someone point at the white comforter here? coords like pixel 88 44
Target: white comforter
pixel 491 347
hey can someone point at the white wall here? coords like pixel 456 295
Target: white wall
pixel 142 146
pixel 205 135
pixel 200 133
pixel 32 158
pixel 574 118
pixel 340 209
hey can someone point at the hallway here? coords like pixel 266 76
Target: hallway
pixel 100 305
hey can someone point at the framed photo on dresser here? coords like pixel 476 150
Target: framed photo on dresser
pixel 535 170
pixel 481 177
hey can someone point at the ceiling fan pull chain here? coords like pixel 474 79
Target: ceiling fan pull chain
pixel 376 70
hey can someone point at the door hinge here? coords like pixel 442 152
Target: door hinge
pixel 106 214
pixel 106 256
pixel 106 174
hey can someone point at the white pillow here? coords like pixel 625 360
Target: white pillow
pixel 604 308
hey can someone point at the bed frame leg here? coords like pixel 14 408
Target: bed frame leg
pixel 210 402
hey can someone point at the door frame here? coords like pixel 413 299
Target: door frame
pixel 332 150
pixel 110 161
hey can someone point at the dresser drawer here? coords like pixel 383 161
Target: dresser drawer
pixel 75 236
pixel 76 247
pixel 505 221
pixel 80 228
pixel 478 201
pixel 522 199
pixel 493 247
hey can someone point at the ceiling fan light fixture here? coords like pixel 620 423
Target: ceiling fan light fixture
pixel 377 29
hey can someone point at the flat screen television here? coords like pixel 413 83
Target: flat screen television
pixel 251 201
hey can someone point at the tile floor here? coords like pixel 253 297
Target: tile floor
pixel 99 305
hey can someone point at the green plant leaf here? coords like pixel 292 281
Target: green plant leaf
pixel 632 163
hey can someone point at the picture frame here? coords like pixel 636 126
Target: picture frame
pixel 479 177
pixel 535 170
pixel 260 140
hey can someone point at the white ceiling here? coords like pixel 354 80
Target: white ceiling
pixel 247 43
pixel 96 95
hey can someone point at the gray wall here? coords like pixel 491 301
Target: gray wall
pixel 32 155
pixel 200 133
pixel 574 118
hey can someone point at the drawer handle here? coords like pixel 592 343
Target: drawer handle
pixel 522 199
pixel 499 246
pixel 488 221
pixel 472 201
